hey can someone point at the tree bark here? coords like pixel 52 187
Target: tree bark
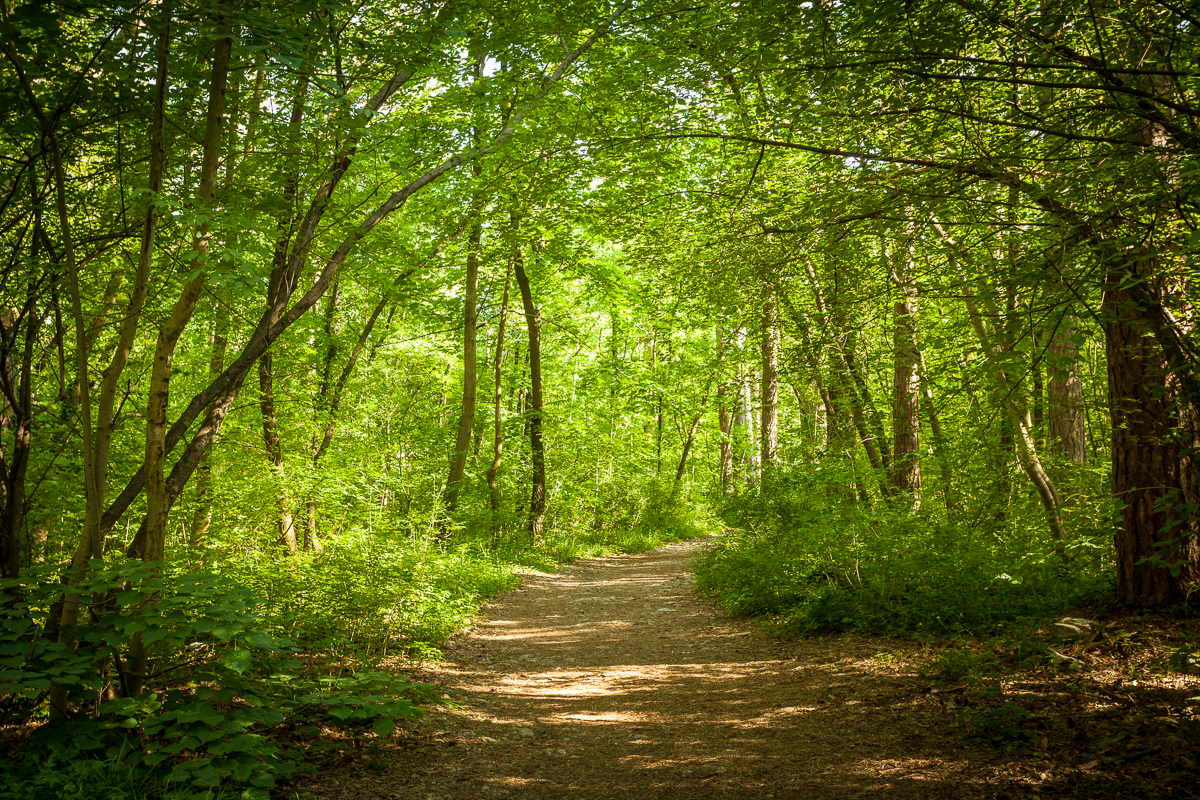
pixel 1065 393
pixel 906 437
pixel 493 473
pixel 202 518
pixel 1154 470
pixel 769 432
pixel 466 416
pixel 533 323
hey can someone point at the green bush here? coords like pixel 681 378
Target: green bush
pixel 810 555
pixel 217 682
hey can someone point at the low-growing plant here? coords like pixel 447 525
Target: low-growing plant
pixel 810 555
pixel 1003 725
pixel 217 683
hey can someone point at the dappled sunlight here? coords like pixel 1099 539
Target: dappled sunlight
pixel 610 679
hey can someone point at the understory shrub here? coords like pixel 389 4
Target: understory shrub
pixel 218 684
pixel 809 554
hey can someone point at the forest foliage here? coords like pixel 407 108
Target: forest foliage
pixel 320 321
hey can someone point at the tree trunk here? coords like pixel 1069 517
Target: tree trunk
pixel 493 473
pixel 769 433
pixel 157 502
pixel 16 382
pixel 725 426
pixel 687 446
pixel 202 518
pixel 847 382
pixel 939 441
pixel 1065 393
pixel 1154 470
pixel 906 392
pixel 533 322
pixel 158 495
pixel 1027 453
pixel 466 416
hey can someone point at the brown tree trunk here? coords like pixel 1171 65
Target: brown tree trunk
pixel 202 518
pixel 1022 425
pixel 939 441
pixel 846 381
pixel 1065 394
pixel 157 501
pixel 769 429
pixel 1154 470
pixel 906 437
pixel 493 473
pixel 158 494
pixel 687 446
pixel 533 322
pixel 466 416
pixel 16 382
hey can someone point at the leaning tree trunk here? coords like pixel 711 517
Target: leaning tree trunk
pixel 533 323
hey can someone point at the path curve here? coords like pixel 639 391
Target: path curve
pixel 611 679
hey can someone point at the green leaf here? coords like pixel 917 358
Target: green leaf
pixel 237 659
pixel 383 727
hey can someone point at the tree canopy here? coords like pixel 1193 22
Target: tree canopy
pixel 290 288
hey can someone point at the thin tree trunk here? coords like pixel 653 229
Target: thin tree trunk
pixel 493 473
pixel 687 446
pixel 846 381
pixel 939 442
pixel 769 429
pixel 202 518
pixel 1026 448
pixel 157 502
pixel 1065 393
pixel 533 322
pixel 466 416
pixel 158 496
pixel 725 426
pixel 906 437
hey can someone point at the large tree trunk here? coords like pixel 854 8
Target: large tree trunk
pixel 15 380
pixel 1154 470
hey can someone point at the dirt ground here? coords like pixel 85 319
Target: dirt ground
pixel 611 679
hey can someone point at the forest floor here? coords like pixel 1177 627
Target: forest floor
pixel 611 679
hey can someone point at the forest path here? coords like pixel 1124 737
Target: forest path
pixel 611 679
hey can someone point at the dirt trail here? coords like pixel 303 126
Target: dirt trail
pixel 610 679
